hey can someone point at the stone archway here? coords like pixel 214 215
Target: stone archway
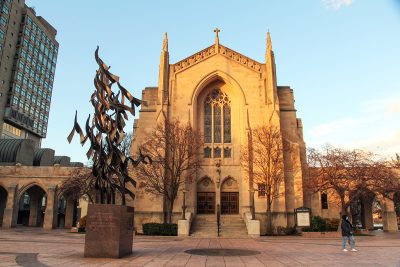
pixel 3 203
pixel 206 196
pixel 229 196
pixel 31 206
pixel 67 211
pixel 374 211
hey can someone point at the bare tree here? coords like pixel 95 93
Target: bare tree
pixel 396 161
pixel 175 149
pixel 80 184
pixel 351 174
pixel 262 159
pixel 126 143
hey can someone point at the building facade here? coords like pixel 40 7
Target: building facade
pixel 223 94
pixel 31 196
pixel 28 56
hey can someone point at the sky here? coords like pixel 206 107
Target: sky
pixel 341 57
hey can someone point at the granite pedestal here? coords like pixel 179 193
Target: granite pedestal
pixel 109 231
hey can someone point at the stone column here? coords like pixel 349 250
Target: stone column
pixel 11 210
pixel 69 213
pixel 49 212
pixel 389 216
pixel 34 203
pixel 316 204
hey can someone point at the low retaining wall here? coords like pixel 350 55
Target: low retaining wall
pixel 253 226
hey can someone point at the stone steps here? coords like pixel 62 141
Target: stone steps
pixel 205 226
pixel 233 226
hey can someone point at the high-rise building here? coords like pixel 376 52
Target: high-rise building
pixel 28 55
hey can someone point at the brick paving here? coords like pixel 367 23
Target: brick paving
pixel 37 247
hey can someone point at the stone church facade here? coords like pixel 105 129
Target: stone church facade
pixel 223 94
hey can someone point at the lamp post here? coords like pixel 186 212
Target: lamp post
pixel 252 207
pixel 184 205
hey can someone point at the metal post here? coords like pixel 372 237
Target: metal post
pixel 218 220
pixel 253 210
pixel 184 205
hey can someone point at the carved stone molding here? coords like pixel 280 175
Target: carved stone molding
pixel 248 62
pixel 194 59
pixel 211 50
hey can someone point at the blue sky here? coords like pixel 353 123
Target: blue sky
pixel 341 57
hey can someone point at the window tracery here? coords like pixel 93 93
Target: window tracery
pixel 217 124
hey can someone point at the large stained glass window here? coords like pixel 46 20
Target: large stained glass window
pixel 207 123
pixel 217 120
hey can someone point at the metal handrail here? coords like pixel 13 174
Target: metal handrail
pixel 218 220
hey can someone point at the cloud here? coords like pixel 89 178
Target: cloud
pixel 390 106
pixel 374 127
pixel 329 128
pixel 337 4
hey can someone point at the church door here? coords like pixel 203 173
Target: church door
pixel 206 202
pixel 229 202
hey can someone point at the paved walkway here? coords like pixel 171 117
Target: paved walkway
pixel 36 247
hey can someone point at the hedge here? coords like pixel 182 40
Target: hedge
pixel 319 224
pixel 166 229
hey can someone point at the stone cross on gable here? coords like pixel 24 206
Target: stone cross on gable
pixel 216 38
pixel 216 30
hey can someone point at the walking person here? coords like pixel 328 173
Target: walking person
pixel 347 234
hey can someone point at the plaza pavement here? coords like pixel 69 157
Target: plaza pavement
pixel 37 247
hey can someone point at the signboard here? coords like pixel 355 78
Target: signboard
pixel 302 216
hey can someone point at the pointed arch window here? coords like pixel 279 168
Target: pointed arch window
pixel 217 122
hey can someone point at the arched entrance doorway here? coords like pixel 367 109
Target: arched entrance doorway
pixel 361 211
pixel 377 214
pixel 205 196
pixel 229 196
pixel 67 212
pixel 3 203
pixel 374 212
pixel 31 207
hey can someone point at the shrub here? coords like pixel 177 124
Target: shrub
pixel 307 229
pixel 332 224
pixel 280 230
pixel 319 224
pixel 82 222
pixel 165 229
pixel 290 231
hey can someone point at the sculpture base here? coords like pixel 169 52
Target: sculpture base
pixel 109 231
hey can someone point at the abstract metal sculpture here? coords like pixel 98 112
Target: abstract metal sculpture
pixel 105 133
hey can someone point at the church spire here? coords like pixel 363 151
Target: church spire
pixel 165 43
pixel 163 76
pixel 270 69
pixel 269 42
